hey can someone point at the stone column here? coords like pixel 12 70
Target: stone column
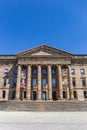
pixel 28 96
pixel 70 83
pixel 18 83
pixel 39 83
pixel 57 83
pixel 68 95
pixel 49 83
pixel 60 83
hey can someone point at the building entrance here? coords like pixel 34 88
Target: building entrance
pixel 13 95
pixel 54 95
pixel 43 95
pixel 34 96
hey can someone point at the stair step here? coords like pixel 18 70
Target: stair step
pixel 43 106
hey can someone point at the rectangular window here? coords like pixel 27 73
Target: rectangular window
pixel 81 63
pixel 6 71
pixel 34 72
pixel 5 81
pixel 73 71
pixel 14 82
pixel 83 81
pixel 44 71
pixel 82 71
pixel 34 82
pixel 44 82
pixel 85 94
pixel 6 63
pixel 75 94
pixel 53 82
pixel 15 72
pixel 74 81
pixel 72 63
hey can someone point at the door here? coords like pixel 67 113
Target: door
pixel 13 95
pixel 43 96
pixel 34 95
pixel 54 95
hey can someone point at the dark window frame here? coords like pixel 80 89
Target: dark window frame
pixel 83 81
pixel 72 71
pixel 85 94
pixel 5 81
pixel 73 81
pixel 15 72
pixel 34 72
pixel 82 71
pixel 3 94
pixel 75 94
pixel 44 72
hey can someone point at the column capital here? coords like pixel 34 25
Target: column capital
pixel 69 65
pixel 49 65
pixel 38 65
pixel 29 65
pixel 58 65
pixel 20 65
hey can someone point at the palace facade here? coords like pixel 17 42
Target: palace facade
pixel 43 73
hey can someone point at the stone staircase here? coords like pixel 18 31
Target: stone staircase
pixel 43 106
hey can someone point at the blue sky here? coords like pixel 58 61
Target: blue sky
pixel 28 23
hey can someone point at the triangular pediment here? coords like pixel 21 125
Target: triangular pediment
pixel 41 53
pixel 44 50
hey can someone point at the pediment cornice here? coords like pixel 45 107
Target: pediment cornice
pixel 44 51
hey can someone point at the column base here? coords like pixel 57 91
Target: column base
pixel 50 100
pixel 39 100
pixel 71 99
pixel 27 99
pixel 17 99
pixel 60 98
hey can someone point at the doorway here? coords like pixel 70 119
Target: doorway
pixel 34 96
pixel 44 96
pixel 54 95
pixel 13 95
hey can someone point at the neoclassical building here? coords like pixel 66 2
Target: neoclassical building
pixel 43 73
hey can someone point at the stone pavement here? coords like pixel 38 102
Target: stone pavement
pixel 43 120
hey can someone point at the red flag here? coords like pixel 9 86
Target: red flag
pixel 21 85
